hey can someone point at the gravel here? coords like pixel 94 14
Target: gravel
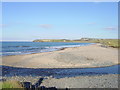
pixel 99 81
pixel 96 81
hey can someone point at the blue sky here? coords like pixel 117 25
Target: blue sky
pixel 27 21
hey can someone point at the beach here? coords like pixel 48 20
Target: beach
pixel 75 57
pixel 55 67
pixel 61 44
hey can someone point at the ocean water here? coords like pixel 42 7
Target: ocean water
pixel 19 48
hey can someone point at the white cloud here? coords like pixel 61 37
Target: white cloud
pixel 3 25
pixel 110 28
pixel 46 26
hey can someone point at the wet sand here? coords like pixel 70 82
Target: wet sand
pixel 77 57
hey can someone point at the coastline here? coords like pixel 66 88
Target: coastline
pixel 72 57
pixel 23 67
pixel 21 48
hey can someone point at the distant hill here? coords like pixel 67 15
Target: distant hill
pixel 52 40
pixel 65 40
pixel 106 42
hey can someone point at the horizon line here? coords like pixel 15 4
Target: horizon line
pixel 53 39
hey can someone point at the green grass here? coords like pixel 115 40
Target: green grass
pixel 10 84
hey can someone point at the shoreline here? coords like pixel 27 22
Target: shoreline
pixel 68 53
pixel 62 68
pixel 63 48
pixel 57 49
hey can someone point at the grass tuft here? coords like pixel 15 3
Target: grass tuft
pixel 10 84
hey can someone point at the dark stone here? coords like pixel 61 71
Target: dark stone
pixel 27 84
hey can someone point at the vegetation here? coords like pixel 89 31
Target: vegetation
pixel 52 40
pixel 10 84
pixel 108 42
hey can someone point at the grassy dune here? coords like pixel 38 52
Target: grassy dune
pixel 107 42
pixel 110 42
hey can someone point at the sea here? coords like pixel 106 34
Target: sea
pixel 20 48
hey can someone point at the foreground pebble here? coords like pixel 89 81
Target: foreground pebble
pixel 102 81
pixel 97 81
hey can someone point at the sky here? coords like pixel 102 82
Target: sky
pixel 26 21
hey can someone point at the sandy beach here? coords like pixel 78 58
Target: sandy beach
pixel 75 57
